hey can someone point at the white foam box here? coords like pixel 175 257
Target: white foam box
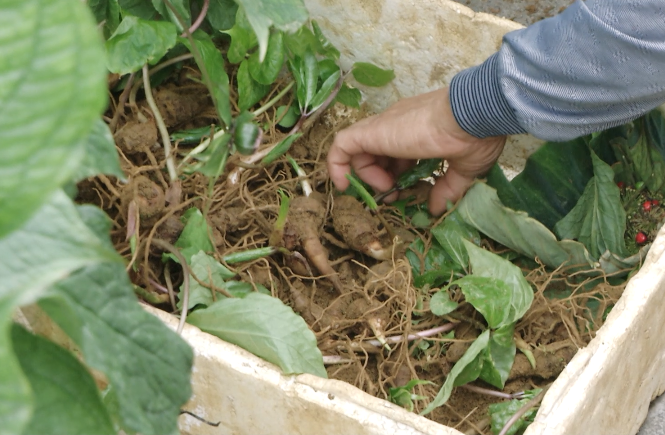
pixel 605 389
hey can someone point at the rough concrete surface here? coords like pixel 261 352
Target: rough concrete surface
pixel 521 11
pixel 655 422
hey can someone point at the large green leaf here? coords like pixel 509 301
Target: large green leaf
pixel 654 123
pixel 243 38
pixel 53 88
pixel 137 42
pixel 66 397
pixel 482 209
pixel 140 8
pixel 286 15
pixel 647 160
pixel 450 234
pixel 250 91
pixel 266 72
pixel 550 184
pixel 266 327
pixel 491 297
pixel 598 220
pixel 469 357
pixel 489 265
pixel 133 348
pixel 51 245
pixel 101 156
pixel 222 14
pixel 214 65
pixel 499 356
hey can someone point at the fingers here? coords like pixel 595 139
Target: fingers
pixel 449 187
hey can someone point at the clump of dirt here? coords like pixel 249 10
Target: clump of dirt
pixel 345 270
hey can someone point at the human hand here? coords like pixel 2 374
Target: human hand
pixel 381 147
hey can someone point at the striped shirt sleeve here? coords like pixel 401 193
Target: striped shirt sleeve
pixel 598 64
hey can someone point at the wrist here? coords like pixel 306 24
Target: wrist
pixel 478 103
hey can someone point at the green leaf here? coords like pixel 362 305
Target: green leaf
pixel 482 209
pixel 325 47
pixel 280 149
pixel 266 72
pixel 476 348
pixel 488 265
pixel 66 397
pixel 286 15
pixel 499 356
pixel 250 91
pixel 16 401
pixel 403 396
pixel 552 181
pixel 423 169
pixel 101 156
pixel 242 39
pixel 137 42
pixel 306 72
pixel 440 304
pixel 436 268
pixel 195 236
pixel 489 296
pixel 106 11
pixel 212 161
pixel 182 9
pixel 222 14
pixel 598 220
pixel 450 234
pixel 53 88
pixel 51 245
pixel 349 96
pixel 326 89
pixel 290 118
pixel 327 67
pixel 214 65
pixel 247 134
pixel 135 350
pixel 647 160
pixel 207 270
pixel 266 327
pixel 140 8
pixel 501 412
pixel 298 42
pixel 371 75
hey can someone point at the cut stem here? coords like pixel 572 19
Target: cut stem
pixel 306 186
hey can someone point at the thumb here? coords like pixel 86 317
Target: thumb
pixel 449 187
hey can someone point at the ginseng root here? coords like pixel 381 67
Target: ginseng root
pixel 358 228
pixel 304 221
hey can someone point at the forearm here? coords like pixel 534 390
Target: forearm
pixel 598 64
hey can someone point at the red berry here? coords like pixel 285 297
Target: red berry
pixel 655 202
pixel 640 238
pixel 646 205
pixel 620 184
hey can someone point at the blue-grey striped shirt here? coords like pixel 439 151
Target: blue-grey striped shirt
pixel 598 64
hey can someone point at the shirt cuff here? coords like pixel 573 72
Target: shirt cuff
pixel 478 103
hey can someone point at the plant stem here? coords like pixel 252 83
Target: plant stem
pixel 166 141
pixel 201 147
pixel 306 186
pixel 274 100
pixel 121 101
pixel 185 280
pixel 422 334
pixel 155 69
pixel 523 410
pixel 494 393
pixel 199 19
